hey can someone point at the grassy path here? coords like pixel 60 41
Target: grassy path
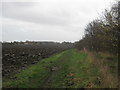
pixel 69 69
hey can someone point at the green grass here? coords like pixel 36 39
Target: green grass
pixel 75 70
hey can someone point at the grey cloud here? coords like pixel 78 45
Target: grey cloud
pixel 20 32
pixel 17 11
pixel 48 19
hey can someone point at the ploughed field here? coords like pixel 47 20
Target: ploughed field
pixel 17 56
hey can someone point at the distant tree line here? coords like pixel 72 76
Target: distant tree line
pixel 103 34
pixel 36 42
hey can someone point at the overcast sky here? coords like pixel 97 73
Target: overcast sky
pixel 48 20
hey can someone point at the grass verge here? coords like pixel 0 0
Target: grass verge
pixel 69 69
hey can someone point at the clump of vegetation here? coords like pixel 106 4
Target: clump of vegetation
pixel 101 40
pixel 102 34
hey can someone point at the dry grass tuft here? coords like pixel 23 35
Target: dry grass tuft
pixel 107 79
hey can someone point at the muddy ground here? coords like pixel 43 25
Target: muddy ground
pixel 16 57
